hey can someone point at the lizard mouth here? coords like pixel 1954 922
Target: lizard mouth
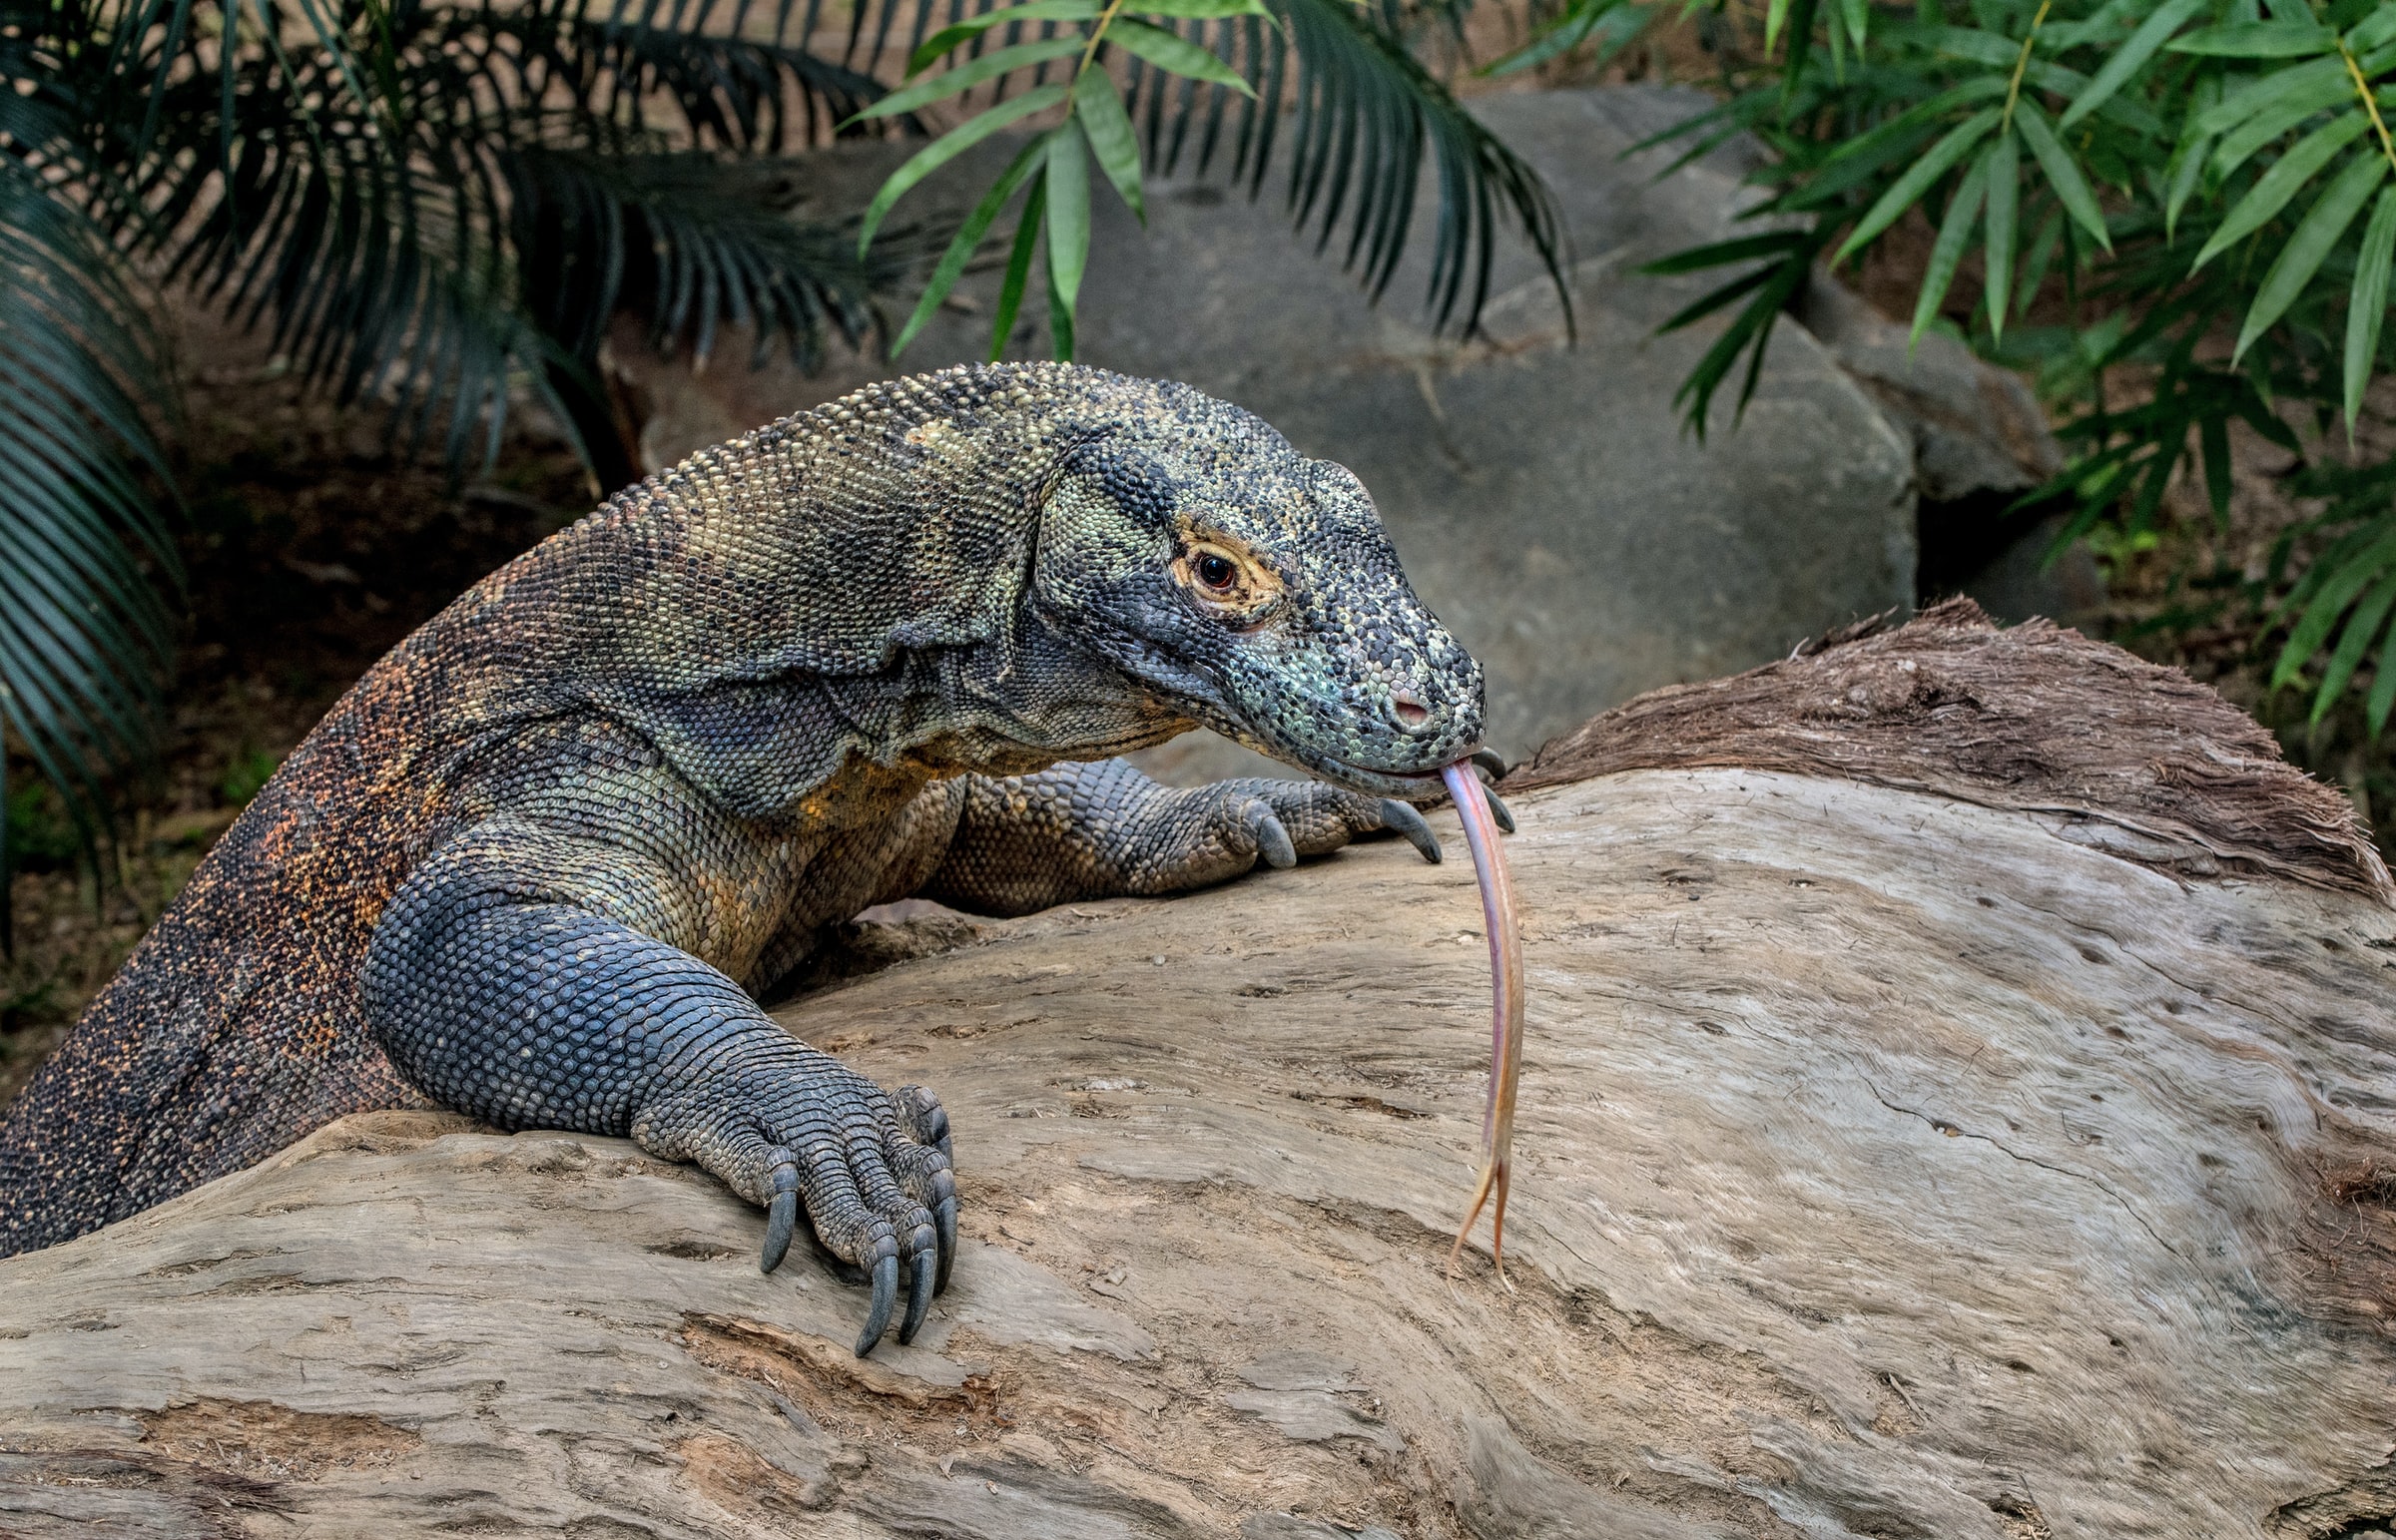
pixel 1406 786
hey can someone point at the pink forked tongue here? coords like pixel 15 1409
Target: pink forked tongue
pixel 1505 1008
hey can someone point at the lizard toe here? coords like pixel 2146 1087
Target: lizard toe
pixel 922 1115
pixel 1401 819
pixel 782 1213
pixel 1271 839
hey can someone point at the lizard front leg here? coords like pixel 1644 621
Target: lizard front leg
pixel 506 981
pixel 1105 831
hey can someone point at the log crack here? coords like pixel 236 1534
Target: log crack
pixel 1957 1131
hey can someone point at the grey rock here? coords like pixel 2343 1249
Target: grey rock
pixel 2004 564
pixel 1544 495
pixel 1980 441
pixel 1977 429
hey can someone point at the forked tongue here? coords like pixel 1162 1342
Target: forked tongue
pixel 1505 1008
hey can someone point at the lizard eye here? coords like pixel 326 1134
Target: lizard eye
pixel 1226 579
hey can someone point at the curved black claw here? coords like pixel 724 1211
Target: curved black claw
pixel 1402 818
pixel 1271 839
pixel 945 1217
pixel 782 1216
pixel 886 1297
pixel 921 1288
pixel 1499 810
pixel 1488 763
pixel 926 1117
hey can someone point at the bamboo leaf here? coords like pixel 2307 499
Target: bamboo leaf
pixel 2383 689
pixel 2186 171
pixel 2378 27
pixel 2361 630
pixel 2315 237
pixel 1178 54
pixel 2282 182
pixel 2277 118
pixel 974 26
pixel 1202 10
pixel 2258 40
pixel 2140 47
pixel 2043 248
pixel 1615 24
pixel 2062 173
pixel 1750 331
pixel 2279 85
pixel 1112 140
pixel 947 147
pixel 1018 270
pixel 1714 299
pixel 1067 224
pixel 1724 252
pixel 2340 582
pixel 2212 438
pixel 972 73
pixel 969 239
pixel 1978 89
pixel 1973 43
pixel 1907 189
pixel 1801 43
pixel 1060 319
pixel 2004 192
pixel 1963 212
pixel 2115 16
pixel 2367 306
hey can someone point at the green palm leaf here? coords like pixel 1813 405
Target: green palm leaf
pixel 85 633
pixel 1367 115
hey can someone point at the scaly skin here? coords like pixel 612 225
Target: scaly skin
pixel 538 863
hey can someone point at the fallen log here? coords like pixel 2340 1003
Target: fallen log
pixel 1960 1101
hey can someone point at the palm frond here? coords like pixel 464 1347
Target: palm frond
pixel 696 241
pixel 1339 91
pixel 481 214
pixel 1331 91
pixel 437 206
pixel 86 636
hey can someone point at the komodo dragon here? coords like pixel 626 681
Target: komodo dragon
pixel 536 864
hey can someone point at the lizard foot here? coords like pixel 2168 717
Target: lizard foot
pixel 1277 822
pixel 871 1170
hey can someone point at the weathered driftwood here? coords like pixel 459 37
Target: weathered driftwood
pixel 1917 1139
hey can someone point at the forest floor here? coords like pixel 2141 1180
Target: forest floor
pixel 312 548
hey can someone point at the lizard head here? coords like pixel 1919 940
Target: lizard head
pixel 1254 591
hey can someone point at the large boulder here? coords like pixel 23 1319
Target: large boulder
pixel 1545 496
pixel 1956 1103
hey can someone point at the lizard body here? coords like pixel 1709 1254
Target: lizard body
pixel 537 865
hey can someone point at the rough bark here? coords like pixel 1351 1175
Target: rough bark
pixel 1963 1111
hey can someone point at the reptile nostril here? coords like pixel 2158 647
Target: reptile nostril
pixel 1411 711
